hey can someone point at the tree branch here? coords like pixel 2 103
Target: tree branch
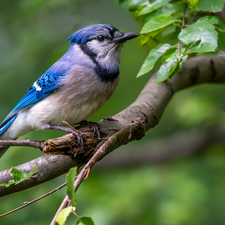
pixel 27 142
pixel 149 106
pixel 33 201
pixel 121 136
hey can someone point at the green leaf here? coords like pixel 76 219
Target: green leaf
pixel 16 174
pixel 203 32
pixel 221 26
pixel 135 4
pixel 171 63
pixel 221 36
pixel 167 69
pixel 153 6
pixel 152 57
pixel 170 30
pixel 203 47
pixel 170 51
pixel 158 23
pixel 70 178
pixel 193 3
pixel 210 5
pixel 209 19
pixel 19 176
pixel 145 38
pixel 63 214
pixel 221 42
pixel 166 10
pixel 149 35
pixel 8 184
pixel 85 221
pixel 79 223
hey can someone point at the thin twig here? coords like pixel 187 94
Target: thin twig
pixel 35 200
pixel 71 127
pixel 128 131
pixel 27 142
pixel 182 27
pixel 63 205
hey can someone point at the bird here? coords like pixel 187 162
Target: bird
pixel 74 87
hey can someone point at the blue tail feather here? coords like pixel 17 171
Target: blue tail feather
pixel 4 126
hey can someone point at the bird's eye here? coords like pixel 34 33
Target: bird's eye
pixel 100 38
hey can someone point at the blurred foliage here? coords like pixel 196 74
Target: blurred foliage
pixel 185 31
pixel 183 191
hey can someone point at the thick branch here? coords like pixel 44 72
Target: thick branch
pixel 149 106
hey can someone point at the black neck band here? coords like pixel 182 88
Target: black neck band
pixel 104 74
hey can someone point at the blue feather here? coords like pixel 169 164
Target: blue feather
pixel 50 81
pixel 43 87
pixel 84 78
pixel 83 35
pixel 7 124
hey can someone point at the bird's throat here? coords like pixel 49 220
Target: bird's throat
pixel 104 74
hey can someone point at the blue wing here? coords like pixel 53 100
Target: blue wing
pixel 43 87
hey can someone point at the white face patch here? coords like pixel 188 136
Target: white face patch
pixel 38 88
pixel 107 54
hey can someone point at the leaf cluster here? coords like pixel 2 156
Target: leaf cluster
pixel 179 28
pixel 64 213
pixel 19 176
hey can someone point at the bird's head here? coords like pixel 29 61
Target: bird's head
pixel 102 42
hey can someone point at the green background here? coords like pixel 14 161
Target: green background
pixel 185 190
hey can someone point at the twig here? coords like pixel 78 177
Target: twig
pixel 63 205
pixel 128 131
pixel 71 127
pixel 182 27
pixel 27 142
pixel 107 146
pixel 35 200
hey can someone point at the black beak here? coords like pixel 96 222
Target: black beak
pixel 125 37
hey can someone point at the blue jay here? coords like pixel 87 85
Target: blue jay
pixel 74 87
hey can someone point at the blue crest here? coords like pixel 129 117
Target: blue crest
pixel 84 34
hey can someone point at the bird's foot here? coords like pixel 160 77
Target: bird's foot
pixel 95 126
pixel 78 135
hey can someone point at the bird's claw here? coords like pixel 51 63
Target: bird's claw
pixel 79 136
pixel 95 126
